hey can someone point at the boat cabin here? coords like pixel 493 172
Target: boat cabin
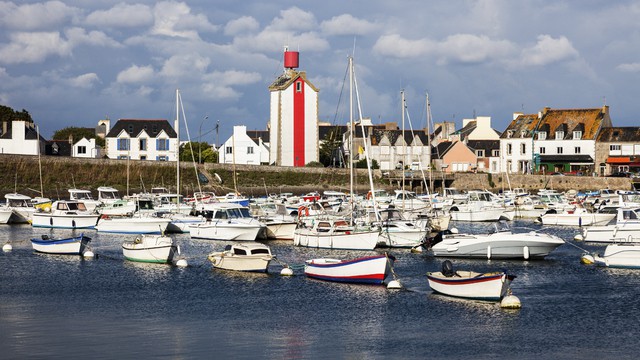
pixel 108 194
pixel 70 206
pixel 247 249
pixel 18 200
pixel 77 194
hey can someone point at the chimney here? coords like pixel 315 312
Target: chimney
pixel 516 114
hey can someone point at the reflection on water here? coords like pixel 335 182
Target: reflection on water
pixel 107 307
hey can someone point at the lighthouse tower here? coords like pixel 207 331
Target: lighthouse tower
pixel 293 122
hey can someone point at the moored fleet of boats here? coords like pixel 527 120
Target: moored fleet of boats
pixel 338 221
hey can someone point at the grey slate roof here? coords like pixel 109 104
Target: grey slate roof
pixel 134 127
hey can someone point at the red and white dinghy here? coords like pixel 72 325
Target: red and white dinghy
pixel 363 270
pixel 470 285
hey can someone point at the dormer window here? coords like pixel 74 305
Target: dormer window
pixel 577 135
pixel 523 133
pixel 480 153
pixel 542 135
pixel 559 135
pixel 509 134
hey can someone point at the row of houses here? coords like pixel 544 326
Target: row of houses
pixel 581 141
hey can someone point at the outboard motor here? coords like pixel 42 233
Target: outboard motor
pixel 447 269
pixel 437 238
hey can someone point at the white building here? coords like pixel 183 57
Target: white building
pixel 141 139
pixel 86 148
pixel 516 144
pixel 20 137
pixel 240 148
pixel 293 121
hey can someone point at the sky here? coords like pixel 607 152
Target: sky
pixel 72 63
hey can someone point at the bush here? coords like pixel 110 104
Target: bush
pixel 315 164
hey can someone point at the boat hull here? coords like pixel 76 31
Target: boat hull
pixel 576 219
pixel 500 245
pixel 150 249
pixel 224 230
pixel 5 215
pixel 471 285
pixel 612 233
pixel 281 230
pixel 67 246
pixel 251 263
pixel 45 220
pixel 625 256
pixel 366 240
pixel 485 214
pixel 364 270
pixel 132 225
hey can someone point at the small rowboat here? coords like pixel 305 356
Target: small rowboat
pixel 150 248
pixel 71 246
pixel 470 285
pixel 364 270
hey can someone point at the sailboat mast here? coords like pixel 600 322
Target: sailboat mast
pixel 177 128
pixel 40 161
pixel 404 147
pixel 351 127
pixel 429 144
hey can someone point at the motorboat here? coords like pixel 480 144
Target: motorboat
pixel 65 214
pixel 395 230
pixel 107 195
pixel 150 249
pixel 335 234
pixel 501 243
pixel 480 206
pixel 579 216
pixel 622 255
pixel 227 221
pixel 363 270
pixel 85 197
pixel 251 256
pixel 70 246
pixel 492 286
pixel 625 228
pixel 118 207
pixel 21 206
pixel 280 225
pixel 408 200
pixel 132 224
pixel 5 214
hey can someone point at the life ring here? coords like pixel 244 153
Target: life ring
pixel 369 195
pixel 303 210
pixel 104 217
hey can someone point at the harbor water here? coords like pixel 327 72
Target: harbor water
pixel 107 307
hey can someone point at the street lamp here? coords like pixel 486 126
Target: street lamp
pixel 199 145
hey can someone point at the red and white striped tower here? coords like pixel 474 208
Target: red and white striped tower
pixel 293 122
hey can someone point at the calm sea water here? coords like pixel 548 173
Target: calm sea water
pixel 68 307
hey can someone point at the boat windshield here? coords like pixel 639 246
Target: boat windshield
pixel 109 195
pixel 76 206
pixel 238 213
pixel 82 196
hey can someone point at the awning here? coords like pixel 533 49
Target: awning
pixel 619 160
pixel 581 159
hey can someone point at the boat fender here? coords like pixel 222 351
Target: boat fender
pixel 525 252
pixel 73 224
pixel 369 195
pixel 51 221
pixel 138 240
pixel 104 216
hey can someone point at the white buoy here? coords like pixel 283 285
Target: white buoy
pixel 88 254
pixel 7 247
pixel 394 284
pixel 587 259
pixel 578 237
pixel 286 272
pixel 525 252
pixel 182 263
pixel 416 249
pixel 510 302
pixel 454 230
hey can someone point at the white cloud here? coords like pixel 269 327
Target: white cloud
pixel 175 19
pixel 293 19
pixel 78 36
pixel 85 81
pixel 233 77
pixel 399 47
pixel 272 41
pixel 346 24
pixel 548 50
pixel 33 47
pixel 122 15
pixel 241 25
pixel 185 65
pixel 36 16
pixel 135 74
pixel 629 67
pixel 468 48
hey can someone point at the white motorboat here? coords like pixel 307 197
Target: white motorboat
pixel 502 243
pixel 623 255
pixel 21 206
pixel 575 217
pixel 150 249
pixel 251 256
pixel 132 224
pixel 69 246
pixel 395 230
pixel 625 228
pixel 118 207
pixel 180 222
pixel 227 221
pixel 85 197
pixel 362 270
pixel 478 207
pixel 65 214
pixel 107 195
pixel 335 234
pixel 469 284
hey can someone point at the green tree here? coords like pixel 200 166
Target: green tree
pixel 330 149
pixel 8 114
pixel 77 133
pixel 202 152
pixel 314 164
pixel 362 164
